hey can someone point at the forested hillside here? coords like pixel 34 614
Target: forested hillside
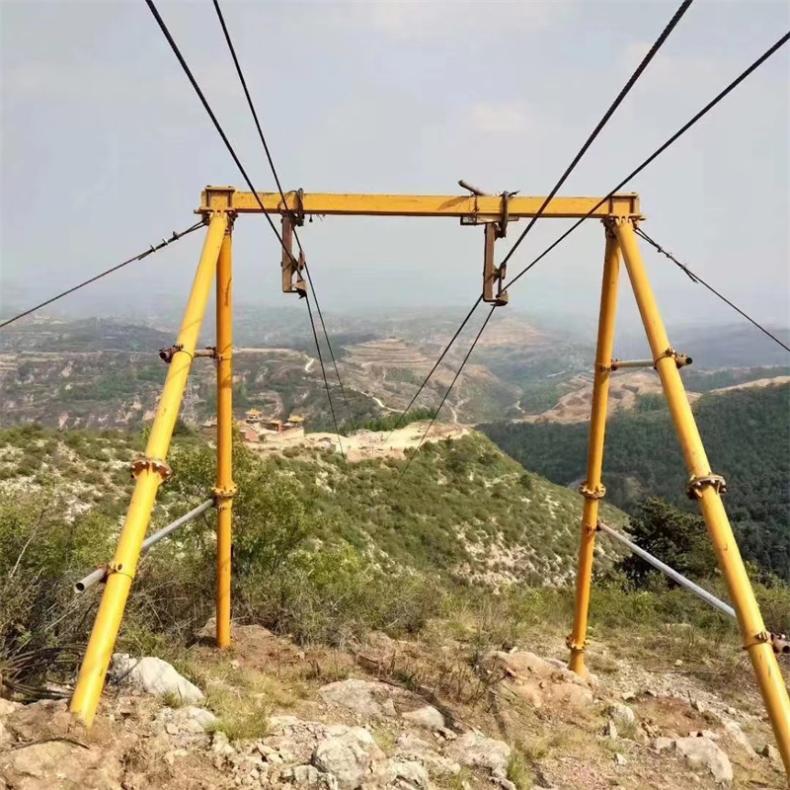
pixel 746 434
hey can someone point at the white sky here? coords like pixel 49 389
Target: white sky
pixel 105 147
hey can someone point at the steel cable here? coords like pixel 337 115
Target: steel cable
pixel 659 42
pixel 695 278
pixel 276 175
pixel 188 72
pixel 448 390
pixel 150 251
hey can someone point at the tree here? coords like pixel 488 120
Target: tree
pixel 679 539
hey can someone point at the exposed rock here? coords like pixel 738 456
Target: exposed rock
pixel 427 717
pixel 662 744
pixel 221 745
pixel 735 732
pixel 5 736
pixel 356 695
pixel 622 714
pixel 308 776
pixel 410 746
pixel 189 720
pixel 350 754
pixel 411 772
pixel 772 753
pixel 620 759
pixel 539 681
pixel 154 676
pixel 45 764
pixel 478 751
pixel 610 730
pixel 7 706
pixel 705 753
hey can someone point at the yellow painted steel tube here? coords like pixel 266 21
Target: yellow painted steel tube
pixel 755 638
pixel 225 488
pixel 595 450
pixel 149 477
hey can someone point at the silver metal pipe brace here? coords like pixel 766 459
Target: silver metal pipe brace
pixel 671 572
pixel 617 364
pixel 100 573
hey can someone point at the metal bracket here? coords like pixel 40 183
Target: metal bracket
pixel 599 492
pixel 697 483
pixel 681 360
pixel 292 281
pixel 143 463
pixel 167 354
pixel 494 228
pixel 493 276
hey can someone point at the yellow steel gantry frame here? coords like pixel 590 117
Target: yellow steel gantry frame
pixel 620 214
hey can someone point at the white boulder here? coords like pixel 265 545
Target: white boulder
pixel 154 676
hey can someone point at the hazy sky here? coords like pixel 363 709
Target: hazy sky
pixel 105 147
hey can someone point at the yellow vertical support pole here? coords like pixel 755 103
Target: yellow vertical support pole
pixel 705 487
pixel 225 489
pixel 149 472
pixel 593 490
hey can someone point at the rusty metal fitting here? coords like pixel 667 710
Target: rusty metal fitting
pixel 297 215
pixel 609 224
pixel 574 646
pixel 681 360
pixel 764 637
pixel 225 493
pixel 115 568
pixel 591 529
pixel 167 354
pixel 208 351
pixel 697 484
pixel 599 492
pixel 143 463
pixel 780 643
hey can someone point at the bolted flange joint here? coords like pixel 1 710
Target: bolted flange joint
pixel 223 496
pixel 698 483
pixel 226 492
pixel 571 644
pixel 598 492
pixel 142 464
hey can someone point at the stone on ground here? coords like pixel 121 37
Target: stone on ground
pixel 154 676
pixel 427 717
pixel 705 753
pixel 478 751
pixel 359 696
pixel 350 754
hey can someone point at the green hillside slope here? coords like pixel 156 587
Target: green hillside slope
pixel 747 436
pixel 463 510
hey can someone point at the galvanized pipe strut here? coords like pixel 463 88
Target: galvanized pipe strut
pixel 676 576
pixel 100 574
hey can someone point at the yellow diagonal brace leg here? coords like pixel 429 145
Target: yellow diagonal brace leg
pixel 766 667
pixel 149 477
pixel 592 487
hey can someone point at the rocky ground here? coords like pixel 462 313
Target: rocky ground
pixel 388 714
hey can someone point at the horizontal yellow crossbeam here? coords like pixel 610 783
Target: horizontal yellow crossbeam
pixel 469 207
